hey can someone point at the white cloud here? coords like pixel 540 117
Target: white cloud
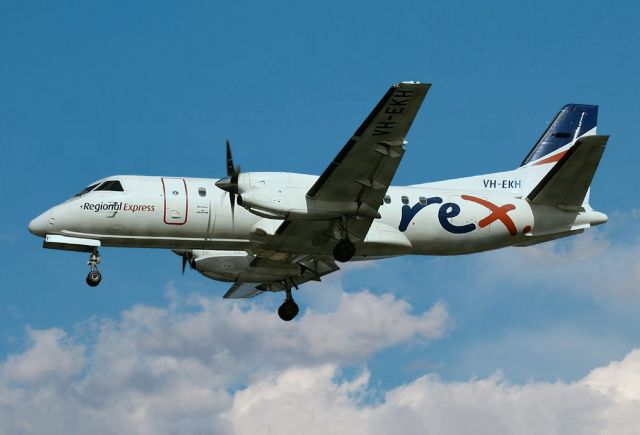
pixel 587 263
pixel 310 400
pixel 51 357
pixel 620 378
pixel 175 370
pixel 226 370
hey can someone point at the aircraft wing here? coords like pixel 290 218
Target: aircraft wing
pixel 312 268
pixel 362 171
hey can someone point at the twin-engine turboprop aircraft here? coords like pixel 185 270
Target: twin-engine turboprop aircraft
pixel 290 228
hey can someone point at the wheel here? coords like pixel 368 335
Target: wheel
pixel 344 250
pixel 288 310
pixel 94 278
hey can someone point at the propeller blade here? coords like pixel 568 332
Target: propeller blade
pixel 230 168
pixel 235 175
pixel 187 258
pixel 230 182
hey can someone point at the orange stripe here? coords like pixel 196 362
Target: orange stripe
pixel 553 158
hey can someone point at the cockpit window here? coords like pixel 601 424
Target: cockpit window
pixel 111 185
pixel 86 190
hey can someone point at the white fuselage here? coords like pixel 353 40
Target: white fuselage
pixel 444 218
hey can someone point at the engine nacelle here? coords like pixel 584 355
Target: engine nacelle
pixel 239 266
pixel 292 204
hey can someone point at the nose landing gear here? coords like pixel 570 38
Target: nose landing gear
pixel 289 309
pixel 94 277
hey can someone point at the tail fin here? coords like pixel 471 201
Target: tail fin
pixel 573 121
pixel 566 185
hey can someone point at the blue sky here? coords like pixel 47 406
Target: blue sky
pixel 93 89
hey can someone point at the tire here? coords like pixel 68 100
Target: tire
pixel 93 278
pixel 288 311
pixel 344 250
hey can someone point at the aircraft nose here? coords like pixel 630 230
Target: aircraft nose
pixel 38 226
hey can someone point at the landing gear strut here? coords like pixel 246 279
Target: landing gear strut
pixel 289 309
pixel 94 277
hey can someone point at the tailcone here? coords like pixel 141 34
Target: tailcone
pixel 597 218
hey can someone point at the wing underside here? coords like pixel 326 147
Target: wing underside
pixel 311 269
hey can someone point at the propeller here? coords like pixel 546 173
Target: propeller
pixel 187 257
pixel 230 182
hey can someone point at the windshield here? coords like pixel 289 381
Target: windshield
pixel 85 190
pixel 111 185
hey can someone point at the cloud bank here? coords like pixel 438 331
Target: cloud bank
pixel 207 366
pixel 177 369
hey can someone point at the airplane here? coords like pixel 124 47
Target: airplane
pixel 274 231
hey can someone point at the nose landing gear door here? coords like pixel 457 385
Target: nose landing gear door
pixel 176 202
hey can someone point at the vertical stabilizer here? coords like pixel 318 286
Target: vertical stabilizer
pixel 573 121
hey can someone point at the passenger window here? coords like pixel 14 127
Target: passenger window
pixel 405 199
pixel 111 186
pixel 202 191
pixel 387 199
pixel 423 200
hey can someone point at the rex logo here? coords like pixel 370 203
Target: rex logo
pixel 451 209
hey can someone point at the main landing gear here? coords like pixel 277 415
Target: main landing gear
pixel 289 309
pixel 345 249
pixel 94 277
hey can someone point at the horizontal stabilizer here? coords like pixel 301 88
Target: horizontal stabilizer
pixel 567 183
